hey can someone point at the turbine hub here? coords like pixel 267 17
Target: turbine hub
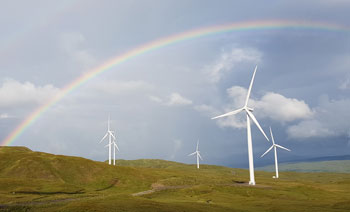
pixel 250 109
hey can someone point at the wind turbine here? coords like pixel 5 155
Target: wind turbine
pixel 115 146
pixel 250 115
pixel 274 146
pixel 110 135
pixel 197 154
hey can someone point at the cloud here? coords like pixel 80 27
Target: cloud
pixel 236 121
pixel 4 116
pixel 271 105
pixel 14 93
pixel 177 99
pixel 331 118
pixel 229 60
pixel 308 129
pixel 155 99
pixel 278 107
pixel 206 109
pixel 72 43
pixel 174 99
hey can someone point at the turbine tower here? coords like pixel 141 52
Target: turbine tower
pixel 274 146
pixel 197 154
pixel 115 146
pixel 110 135
pixel 250 115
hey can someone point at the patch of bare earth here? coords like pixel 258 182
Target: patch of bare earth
pixel 158 187
pixel 245 184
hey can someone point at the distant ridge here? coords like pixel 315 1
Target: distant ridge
pixel 335 166
pixel 323 158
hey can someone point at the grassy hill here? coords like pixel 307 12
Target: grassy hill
pixel 36 181
pixel 336 166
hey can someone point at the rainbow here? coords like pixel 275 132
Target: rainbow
pixel 160 43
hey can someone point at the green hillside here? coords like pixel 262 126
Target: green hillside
pixel 336 166
pixel 36 181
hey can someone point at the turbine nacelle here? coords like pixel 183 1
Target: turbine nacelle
pixel 249 109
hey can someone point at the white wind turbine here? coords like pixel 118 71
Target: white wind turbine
pixel 274 146
pixel 250 115
pixel 197 154
pixel 110 135
pixel 115 146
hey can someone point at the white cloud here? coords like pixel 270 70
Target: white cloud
pixel 155 99
pixel 206 109
pixel 4 116
pixel 278 107
pixel 14 93
pixel 174 99
pixel 308 129
pixel 177 99
pixel 229 60
pixel 238 95
pixel 71 43
pixel 271 105
pixel 331 118
pixel 236 121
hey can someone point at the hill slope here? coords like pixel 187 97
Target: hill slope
pixel 335 166
pixel 36 181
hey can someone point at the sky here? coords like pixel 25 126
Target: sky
pixel 161 102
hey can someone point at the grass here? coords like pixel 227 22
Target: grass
pixel 36 181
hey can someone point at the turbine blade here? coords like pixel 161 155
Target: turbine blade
pixel 197 145
pixel 266 151
pixel 103 138
pixel 200 156
pixel 116 146
pixel 192 154
pixel 110 132
pixel 229 113
pixel 250 114
pixel 283 147
pixel 273 140
pixel 107 145
pixel 250 87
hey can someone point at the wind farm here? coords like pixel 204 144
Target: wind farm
pixel 47 182
pixel 150 106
